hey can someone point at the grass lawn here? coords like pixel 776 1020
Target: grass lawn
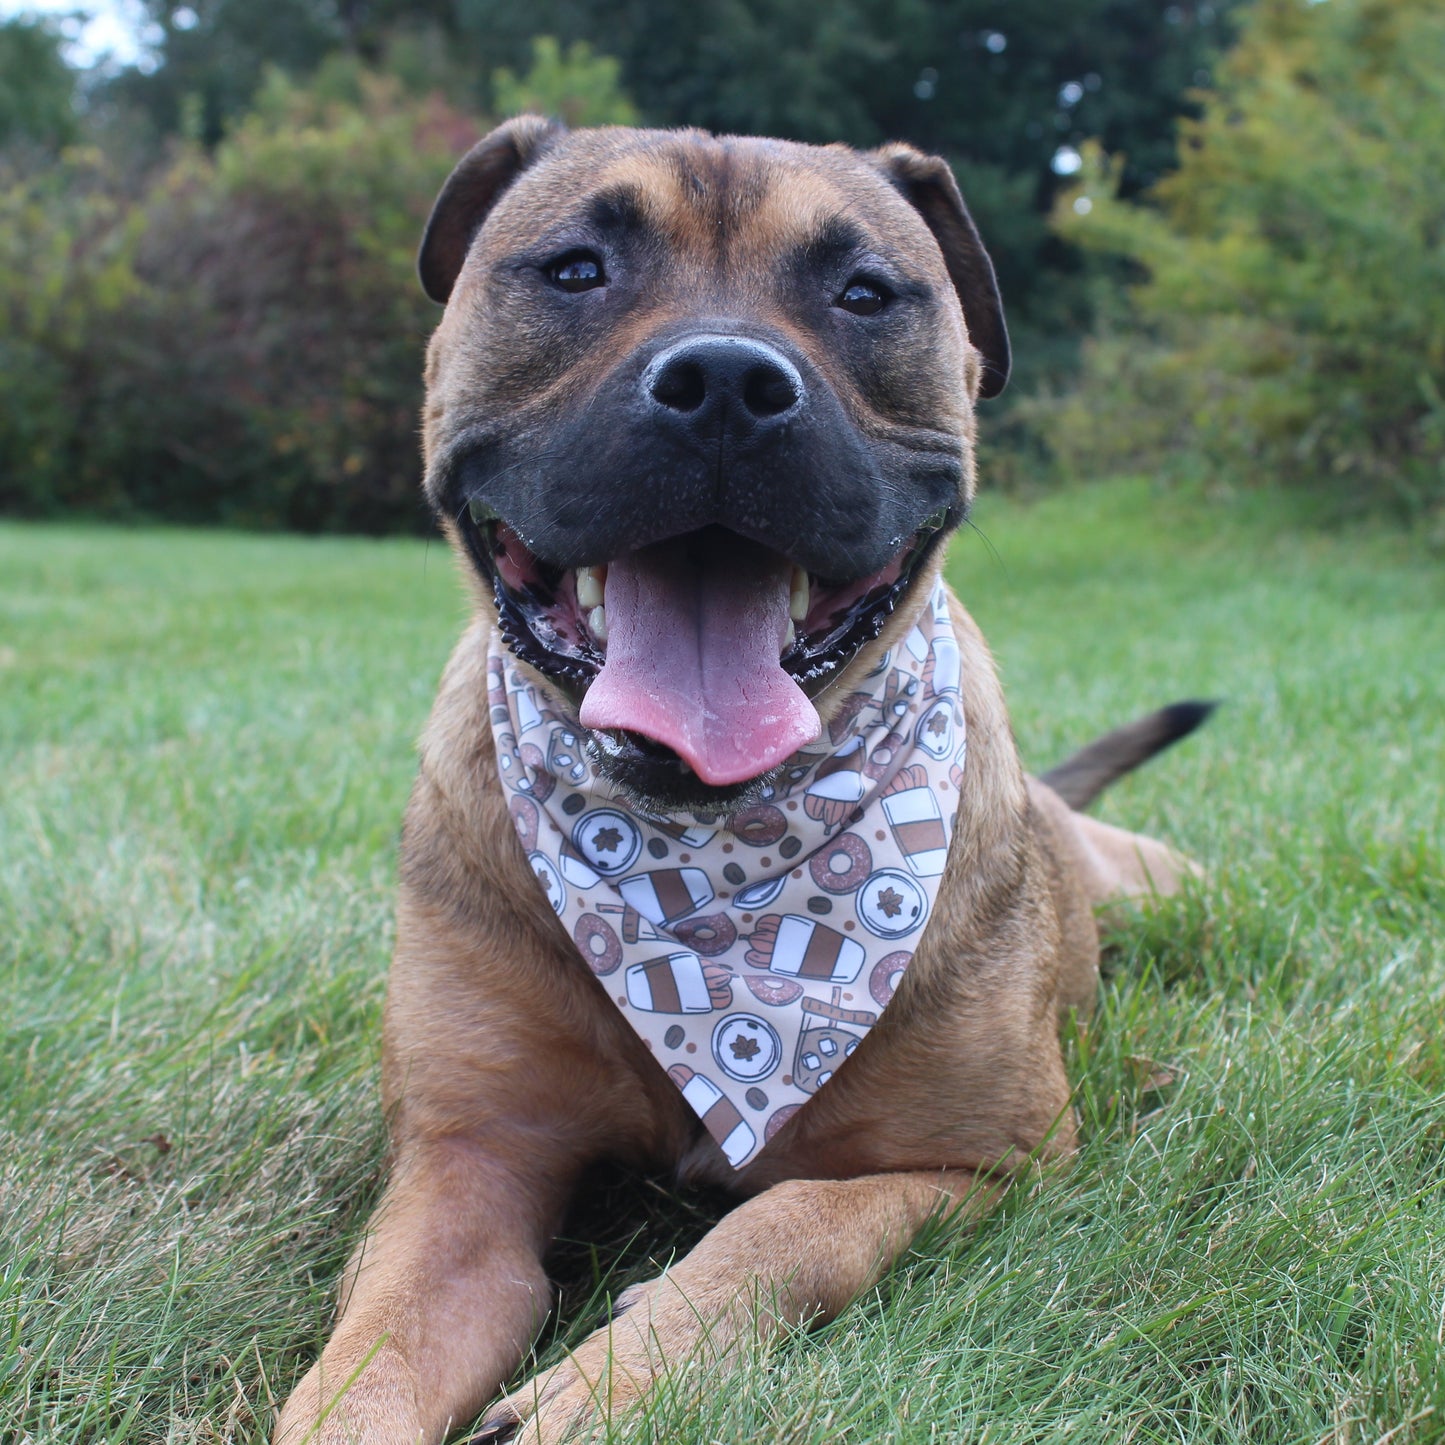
pixel 206 742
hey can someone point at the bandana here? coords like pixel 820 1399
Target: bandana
pixel 753 952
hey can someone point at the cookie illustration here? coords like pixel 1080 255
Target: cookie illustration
pixel 746 1047
pixel 891 904
pixel 608 840
pixel 550 879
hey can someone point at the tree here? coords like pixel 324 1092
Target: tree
pixel 1294 312
pixel 37 88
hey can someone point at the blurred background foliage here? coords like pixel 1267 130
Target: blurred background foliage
pixel 1218 226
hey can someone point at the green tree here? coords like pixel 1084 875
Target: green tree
pixel 577 87
pixel 37 88
pixel 1294 312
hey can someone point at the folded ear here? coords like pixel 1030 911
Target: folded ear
pixel 927 184
pixel 471 191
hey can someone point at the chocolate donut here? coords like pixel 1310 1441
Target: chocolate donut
pixel 840 865
pixel 714 933
pixel 880 981
pixel 598 943
pixel 524 820
pixel 774 992
pixel 758 827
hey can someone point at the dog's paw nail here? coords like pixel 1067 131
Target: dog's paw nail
pixel 495 1430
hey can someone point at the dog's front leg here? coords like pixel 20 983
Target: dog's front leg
pixel 440 1301
pixel 798 1252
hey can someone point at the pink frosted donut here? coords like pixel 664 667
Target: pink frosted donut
pixel 841 864
pixel 758 827
pixel 524 820
pixel 598 943
pixel 885 976
pixel 715 933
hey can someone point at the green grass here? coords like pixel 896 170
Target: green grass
pixel 206 743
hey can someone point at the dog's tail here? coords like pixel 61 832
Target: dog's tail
pixel 1085 775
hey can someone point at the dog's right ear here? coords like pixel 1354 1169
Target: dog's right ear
pixel 470 192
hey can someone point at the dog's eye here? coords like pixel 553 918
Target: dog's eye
pixel 577 271
pixel 863 298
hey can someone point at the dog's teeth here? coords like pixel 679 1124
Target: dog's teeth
pixel 798 596
pixel 597 621
pixel 589 587
pixel 790 636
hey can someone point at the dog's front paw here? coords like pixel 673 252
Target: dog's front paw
pixel 601 1380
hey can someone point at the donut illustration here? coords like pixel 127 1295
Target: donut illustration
pixel 840 865
pixel 804 948
pixel 891 904
pixel 598 943
pixel 775 992
pixel 828 1041
pixel 886 976
pixel 911 808
pixel 719 1115
pixel 678 983
pixel 746 1048
pixel 550 879
pixel 941 673
pixel 542 782
pixel 609 841
pixel 711 934
pixel 934 733
pixel 666 894
pixel 524 819
pixel 564 757
pixel 778 1118
pixel 758 827
pixel 838 786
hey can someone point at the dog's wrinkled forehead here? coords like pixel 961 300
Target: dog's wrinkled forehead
pixel 715 210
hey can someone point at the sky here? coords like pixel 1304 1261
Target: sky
pixel 105 29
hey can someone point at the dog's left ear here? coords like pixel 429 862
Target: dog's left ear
pixel 927 184
pixel 470 192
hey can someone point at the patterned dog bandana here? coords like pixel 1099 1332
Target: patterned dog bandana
pixel 752 953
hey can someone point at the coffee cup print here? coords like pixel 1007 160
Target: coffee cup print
pixel 911 808
pixel 803 948
pixel 719 1115
pixel 666 895
pixel 678 983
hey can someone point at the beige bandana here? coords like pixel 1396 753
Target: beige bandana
pixel 752 953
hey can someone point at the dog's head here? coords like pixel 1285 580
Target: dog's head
pixel 700 415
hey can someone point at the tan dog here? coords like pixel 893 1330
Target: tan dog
pixel 695 360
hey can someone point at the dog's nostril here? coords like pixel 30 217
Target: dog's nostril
pixel 680 386
pixel 769 391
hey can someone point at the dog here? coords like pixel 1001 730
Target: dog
pixel 699 421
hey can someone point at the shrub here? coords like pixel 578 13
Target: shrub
pixel 1292 323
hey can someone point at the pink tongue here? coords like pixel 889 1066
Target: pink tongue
pixel 693 637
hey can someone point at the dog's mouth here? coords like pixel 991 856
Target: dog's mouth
pixel 699 654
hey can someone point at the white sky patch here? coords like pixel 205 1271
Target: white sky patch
pixel 114 31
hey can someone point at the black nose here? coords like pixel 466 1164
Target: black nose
pixel 746 382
